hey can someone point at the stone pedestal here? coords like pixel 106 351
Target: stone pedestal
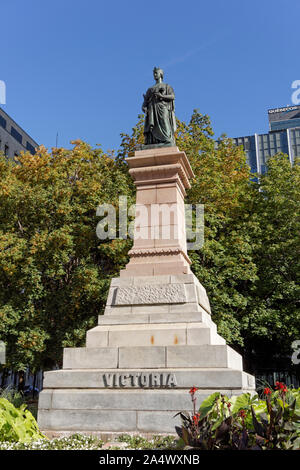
pixel 161 177
pixel 156 338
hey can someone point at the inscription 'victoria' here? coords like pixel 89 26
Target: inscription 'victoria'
pixel 140 380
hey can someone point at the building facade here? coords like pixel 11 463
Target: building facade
pixel 13 139
pixel 283 136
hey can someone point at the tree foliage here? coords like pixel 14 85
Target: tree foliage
pixel 274 316
pixel 54 271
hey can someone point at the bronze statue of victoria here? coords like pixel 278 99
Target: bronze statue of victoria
pixel 159 107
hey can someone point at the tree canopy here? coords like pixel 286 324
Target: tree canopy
pixel 54 271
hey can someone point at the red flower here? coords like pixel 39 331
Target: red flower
pixel 281 386
pixel 229 405
pixel 242 414
pixel 193 390
pixel 267 391
pixel 196 418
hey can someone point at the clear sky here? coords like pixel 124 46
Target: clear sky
pixel 80 68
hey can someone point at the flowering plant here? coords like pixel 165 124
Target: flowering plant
pixel 243 422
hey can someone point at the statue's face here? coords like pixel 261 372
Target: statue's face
pixel 157 74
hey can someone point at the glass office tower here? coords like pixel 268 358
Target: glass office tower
pixel 284 136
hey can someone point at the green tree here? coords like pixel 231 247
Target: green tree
pixel 54 271
pixel 273 321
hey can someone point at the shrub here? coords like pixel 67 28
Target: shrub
pixel 244 422
pixel 13 396
pixel 17 424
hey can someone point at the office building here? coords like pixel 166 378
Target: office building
pixel 283 136
pixel 13 139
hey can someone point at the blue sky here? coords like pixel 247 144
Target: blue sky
pixel 80 68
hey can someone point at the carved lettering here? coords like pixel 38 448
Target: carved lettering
pixel 155 380
pixel 108 380
pixel 144 380
pixel 171 382
pixel 134 379
pixel 122 380
pixel 139 380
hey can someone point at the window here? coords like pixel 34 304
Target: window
pixel 6 149
pixel 295 149
pixel 30 148
pixel 16 134
pixel 2 122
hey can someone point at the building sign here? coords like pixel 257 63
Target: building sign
pixel 283 114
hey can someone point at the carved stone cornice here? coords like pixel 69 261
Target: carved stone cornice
pixel 167 164
pixel 145 252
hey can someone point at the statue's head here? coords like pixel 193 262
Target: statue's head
pixel 158 72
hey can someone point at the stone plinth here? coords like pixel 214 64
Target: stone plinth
pixel 156 338
pixel 161 177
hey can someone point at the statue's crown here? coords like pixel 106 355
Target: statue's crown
pixel 158 68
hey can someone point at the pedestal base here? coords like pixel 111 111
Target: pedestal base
pixel 155 341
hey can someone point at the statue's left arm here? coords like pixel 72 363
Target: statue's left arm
pixel 169 96
pixel 165 97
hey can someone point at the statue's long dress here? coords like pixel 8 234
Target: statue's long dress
pixel 160 115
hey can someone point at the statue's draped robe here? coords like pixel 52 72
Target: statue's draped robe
pixel 160 115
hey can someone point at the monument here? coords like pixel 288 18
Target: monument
pixel 156 338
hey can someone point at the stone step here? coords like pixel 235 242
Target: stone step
pixel 202 378
pixel 164 334
pixel 137 318
pixel 116 410
pixel 152 309
pixel 211 356
pixel 164 400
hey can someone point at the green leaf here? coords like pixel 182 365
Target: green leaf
pixel 208 404
pixel 241 402
pixel 17 424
